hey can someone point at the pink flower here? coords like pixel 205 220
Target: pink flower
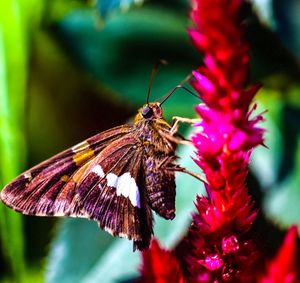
pixel 218 246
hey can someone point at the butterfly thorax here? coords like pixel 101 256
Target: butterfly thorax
pixel 153 130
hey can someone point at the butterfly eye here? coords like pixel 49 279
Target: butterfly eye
pixel 147 112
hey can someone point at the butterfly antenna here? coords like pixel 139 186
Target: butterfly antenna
pixel 153 75
pixel 180 86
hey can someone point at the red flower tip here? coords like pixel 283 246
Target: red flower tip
pixel 283 268
pixel 159 266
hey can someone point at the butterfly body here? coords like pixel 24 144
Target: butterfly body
pixel 116 178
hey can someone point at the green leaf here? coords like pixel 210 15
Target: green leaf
pixel 14 25
pixel 281 204
pixel 81 253
pixel 277 166
pixel 12 94
pixel 79 245
pixel 106 7
pixel 121 53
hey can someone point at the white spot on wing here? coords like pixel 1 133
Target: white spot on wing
pixel 27 175
pixel 98 170
pixel 125 185
pixel 112 180
pixel 134 194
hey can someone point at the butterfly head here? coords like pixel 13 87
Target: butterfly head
pixel 149 111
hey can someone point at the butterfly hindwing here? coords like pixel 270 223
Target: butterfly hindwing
pixel 48 189
pixel 112 192
pixel 160 184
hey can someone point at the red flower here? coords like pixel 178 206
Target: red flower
pixel 160 266
pixel 284 267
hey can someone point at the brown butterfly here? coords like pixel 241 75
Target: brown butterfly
pixel 116 178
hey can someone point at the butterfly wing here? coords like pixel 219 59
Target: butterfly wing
pixel 100 179
pixel 111 191
pixel 48 189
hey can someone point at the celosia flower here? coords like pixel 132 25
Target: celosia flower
pixel 219 246
pixel 284 267
pixel 160 266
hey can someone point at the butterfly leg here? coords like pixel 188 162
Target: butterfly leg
pixel 177 168
pixel 176 120
pixel 177 140
pixel 193 174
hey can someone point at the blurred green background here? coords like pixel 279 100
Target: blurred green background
pixel 72 68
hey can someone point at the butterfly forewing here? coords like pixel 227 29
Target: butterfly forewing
pixel 47 189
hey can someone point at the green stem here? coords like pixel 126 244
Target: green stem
pixel 13 77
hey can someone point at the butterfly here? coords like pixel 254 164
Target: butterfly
pixel 116 178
